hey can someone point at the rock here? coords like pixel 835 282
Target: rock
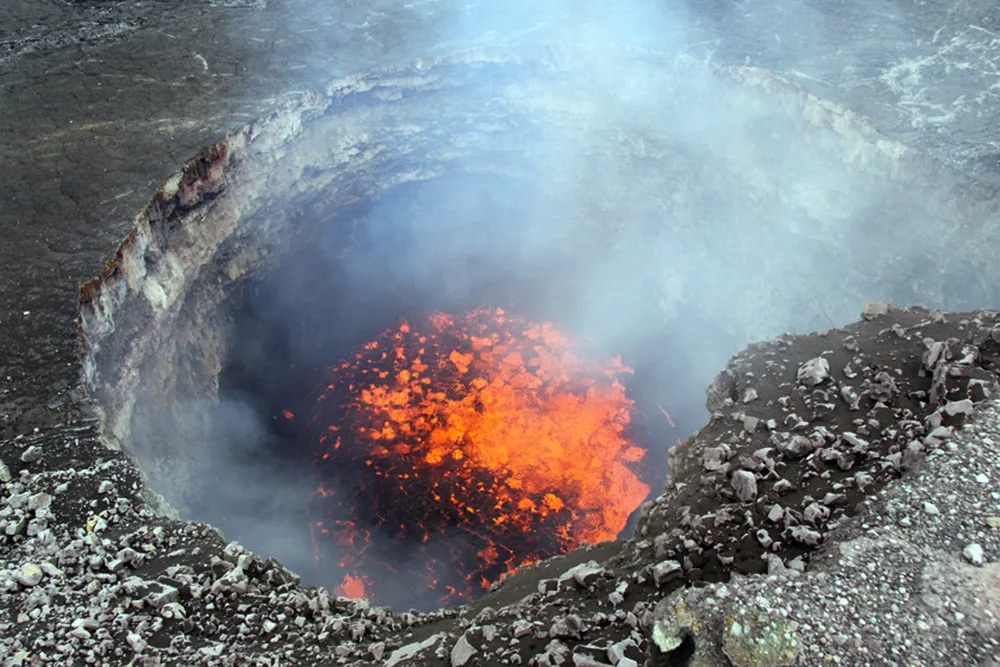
pixel 805 535
pixel 775 514
pixel 4 473
pixel 764 538
pixel 815 512
pixel 993 521
pixel 31 454
pixel 666 570
pixel 521 627
pixel 462 652
pixel 750 395
pixel 775 566
pixel 963 407
pixel 874 310
pixel 173 610
pixel 616 652
pixel 974 554
pixel 29 575
pixel 931 508
pixel 813 372
pixel 566 626
pixel 405 653
pixel 755 639
pixel 583 574
pixel 744 483
pixel 137 643
pixel 377 650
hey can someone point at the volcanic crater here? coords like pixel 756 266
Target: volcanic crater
pixel 419 296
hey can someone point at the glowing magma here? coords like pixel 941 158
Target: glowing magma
pixel 480 442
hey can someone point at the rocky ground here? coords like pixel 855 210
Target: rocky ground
pixel 840 506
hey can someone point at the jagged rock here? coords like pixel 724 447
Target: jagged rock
pixel 875 309
pixel 31 454
pixel 583 574
pixel 403 654
pixel 137 643
pixel 744 483
pixel 566 626
pixel 4 473
pixel 462 652
pixel 963 407
pixel 813 372
pixel 666 570
pixel 806 535
pixel 974 554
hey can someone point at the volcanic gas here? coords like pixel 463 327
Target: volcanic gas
pixel 477 443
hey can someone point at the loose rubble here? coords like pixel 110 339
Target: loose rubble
pixel 839 506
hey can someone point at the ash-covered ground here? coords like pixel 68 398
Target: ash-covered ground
pixel 841 505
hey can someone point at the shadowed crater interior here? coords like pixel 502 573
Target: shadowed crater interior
pixel 388 333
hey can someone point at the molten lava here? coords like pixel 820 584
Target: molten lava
pixel 475 444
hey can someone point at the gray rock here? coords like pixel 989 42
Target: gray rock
pixel 410 651
pixel 4 473
pixel 806 535
pixel 566 626
pixel 744 483
pixel 875 309
pixel 377 650
pixel 462 652
pixel 31 454
pixel 29 575
pixel 666 570
pixel 963 407
pixel 137 643
pixel 813 372
pixel 974 554
pixel 583 574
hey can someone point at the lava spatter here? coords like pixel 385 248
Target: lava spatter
pixel 475 444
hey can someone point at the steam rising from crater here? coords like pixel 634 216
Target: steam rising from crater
pixel 589 168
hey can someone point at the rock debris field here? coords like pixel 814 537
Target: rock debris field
pixel 841 506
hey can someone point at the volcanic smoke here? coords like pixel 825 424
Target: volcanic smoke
pixel 476 444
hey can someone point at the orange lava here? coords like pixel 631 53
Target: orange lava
pixel 484 424
pixel 351 587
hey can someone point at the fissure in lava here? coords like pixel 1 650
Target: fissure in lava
pixel 474 444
